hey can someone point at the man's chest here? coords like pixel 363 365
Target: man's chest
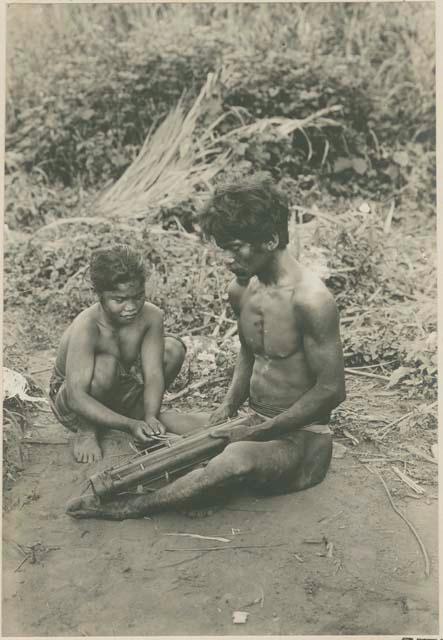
pixel 269 323
pixel 123 344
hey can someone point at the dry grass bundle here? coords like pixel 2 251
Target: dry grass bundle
pixel 169 167
pixel 286 126
pixel 173 163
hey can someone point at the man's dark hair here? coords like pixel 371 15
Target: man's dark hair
pixel 251 209
pixel 114 265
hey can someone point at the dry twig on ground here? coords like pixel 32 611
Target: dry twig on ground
pixel 239 546
pixel 404 518
pixel 193 387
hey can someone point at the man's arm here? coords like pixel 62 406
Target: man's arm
pixel 79 373
pixel 238 390
pixel 152 353
pixel 324 356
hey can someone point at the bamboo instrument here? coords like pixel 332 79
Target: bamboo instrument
pixel 162 463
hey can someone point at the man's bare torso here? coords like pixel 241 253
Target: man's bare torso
pixel 271 326
pixel 124 343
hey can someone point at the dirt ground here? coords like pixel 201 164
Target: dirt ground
pixel 335 559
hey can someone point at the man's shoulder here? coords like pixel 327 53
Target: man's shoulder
pixel 235 293
pixel 152 314
pixel 84 325
pixel 86 319
pixel 312 296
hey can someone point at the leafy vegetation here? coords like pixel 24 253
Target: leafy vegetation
pixel 335 101
pixel 119 71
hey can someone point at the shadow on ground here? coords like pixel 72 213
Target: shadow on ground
pixel 335 559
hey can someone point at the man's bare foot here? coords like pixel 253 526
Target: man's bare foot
pixel 86 447
pixel 91 507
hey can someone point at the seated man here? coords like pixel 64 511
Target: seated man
pixel 92 387
pixel 290 366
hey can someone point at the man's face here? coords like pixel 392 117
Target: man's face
pixel 244 259
pixel 124 303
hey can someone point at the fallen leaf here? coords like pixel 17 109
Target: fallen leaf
pixel 87 114
pixel 398 375
pixel 392 171
pixel 341 164
pixel 360 166
pixel 401 158
pixel 338 450
pixel 349 435
pixel 239 617
pixel 364 208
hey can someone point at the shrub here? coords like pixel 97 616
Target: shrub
pixel 51 276
pixel 113 72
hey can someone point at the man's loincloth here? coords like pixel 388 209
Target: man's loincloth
pixel 264 412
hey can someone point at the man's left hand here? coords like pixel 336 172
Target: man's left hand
pixel 158 429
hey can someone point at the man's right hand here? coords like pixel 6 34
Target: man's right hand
pixel 221 414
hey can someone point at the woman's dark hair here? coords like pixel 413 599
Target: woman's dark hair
pixel 114 265
pixel 251 209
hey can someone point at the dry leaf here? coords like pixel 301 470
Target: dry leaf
pixel 239 617
pixel 398 375
pixel 349 435
pixel 338 450
pixel 360 166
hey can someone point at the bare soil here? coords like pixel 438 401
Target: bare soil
pixel 335 559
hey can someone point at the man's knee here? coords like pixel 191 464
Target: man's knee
pixel 175 352
pixel 105 374
pixel 237 459
pixel 316 463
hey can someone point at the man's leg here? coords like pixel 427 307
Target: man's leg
pixel 225 470
pixel 316 461
pixel 86 441
pixel 104 387
pixel 182 423
pixel 133 403
pixel 261 465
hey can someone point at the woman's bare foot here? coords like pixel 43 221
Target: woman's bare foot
pixel 91 507
pixel 86 447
